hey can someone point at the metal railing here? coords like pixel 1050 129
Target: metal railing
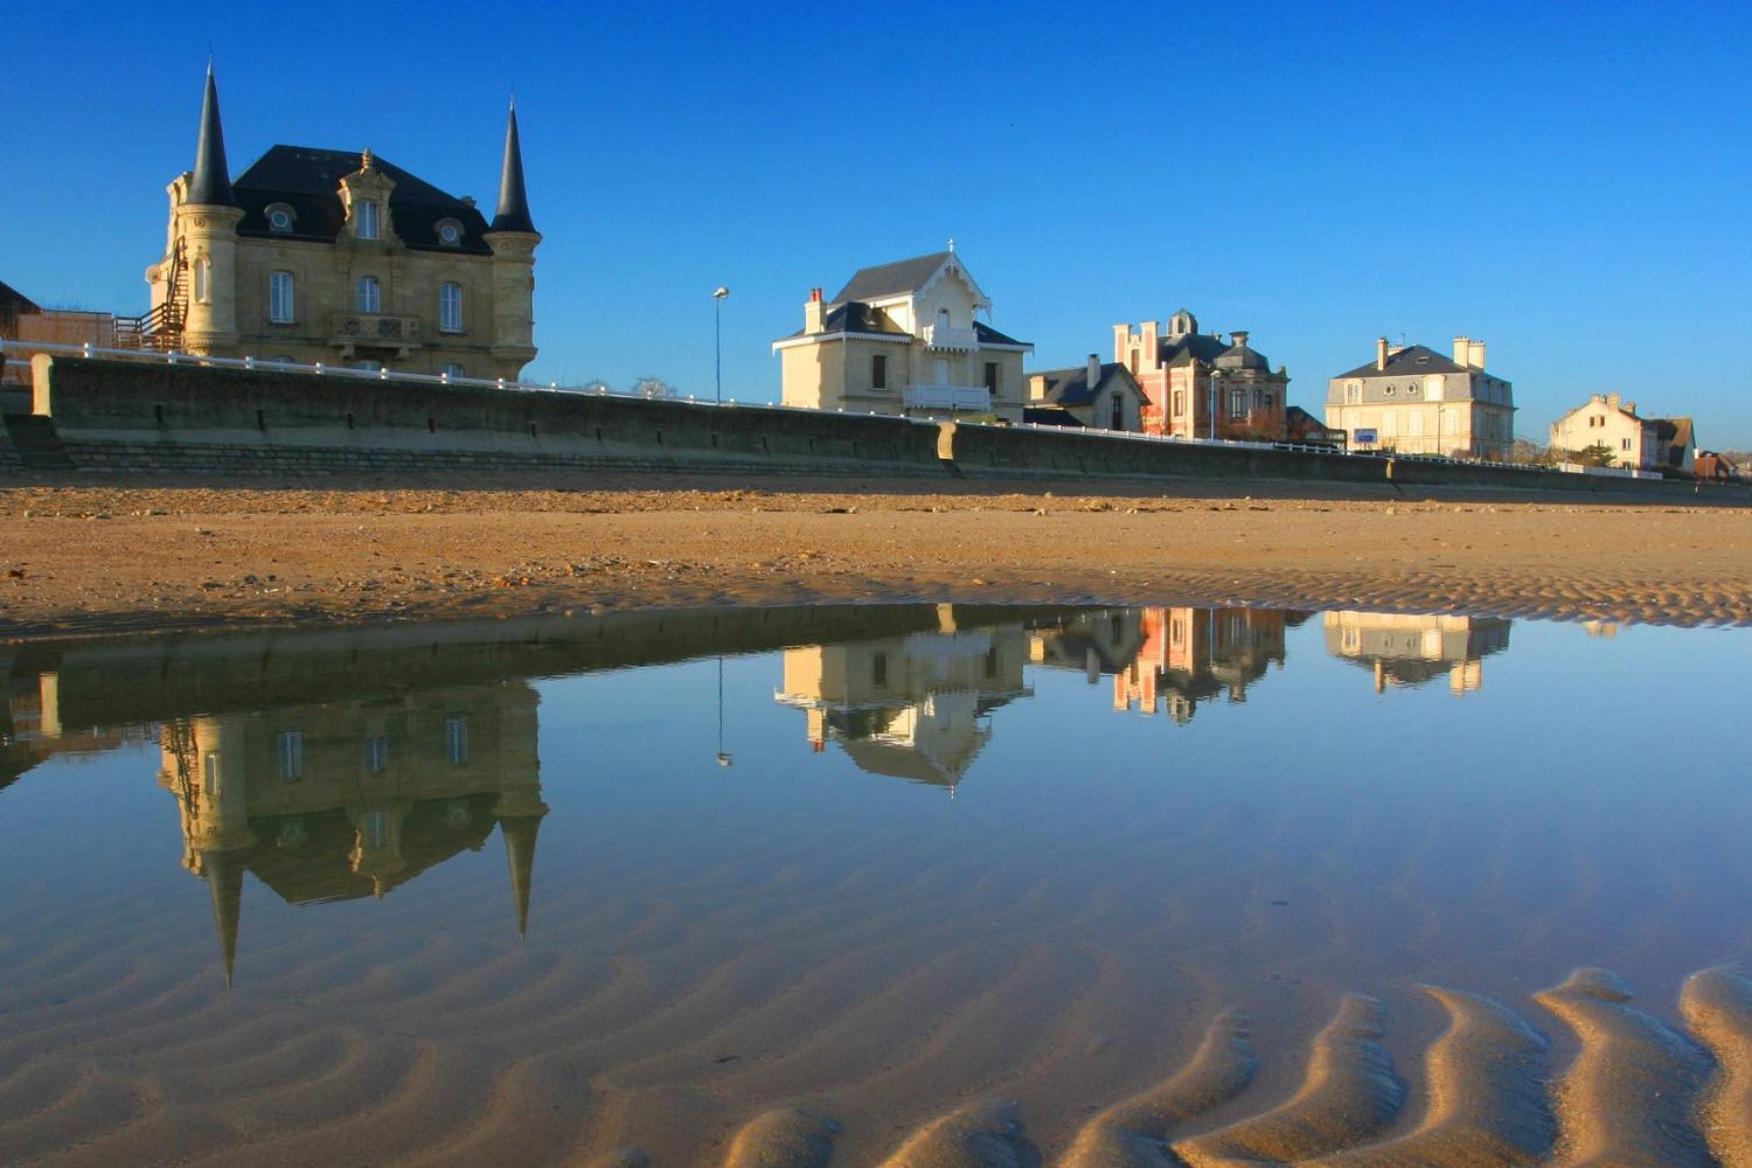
pixel 385 375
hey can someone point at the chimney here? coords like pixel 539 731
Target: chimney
pixel 1463 352
pixel 1238 338
pixel 1475 354
pixel 1630 407
pixel 1380 352
pixel 1121 341
pixel 814 312
pixel 1094 371
pixel 1611 401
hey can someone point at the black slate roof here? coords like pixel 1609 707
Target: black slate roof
pixel 1410 360
pixel 14 304
pixel 1070 387
pixel 1192 347
pixel 308 180
pixel 987 335
pixel 894 279
pixel 855 317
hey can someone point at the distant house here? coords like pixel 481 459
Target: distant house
pixel 902 338
pixel 1101 396
pixel 1712 466
pixel 1301 426
pixel 24 321
pixel 1635 442
pixel 1202 386
pixel 1414 400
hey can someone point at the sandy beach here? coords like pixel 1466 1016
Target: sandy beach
pixel 96 558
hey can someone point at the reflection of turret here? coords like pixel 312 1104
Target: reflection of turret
pixel 350 799
pixel 1178 656
pixel 1409 650
pixel 915 707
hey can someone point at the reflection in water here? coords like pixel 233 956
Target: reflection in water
pixel 334 801
pixel 341 767
pixel 713 945
pixel 1408 650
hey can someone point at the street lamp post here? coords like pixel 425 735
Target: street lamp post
pixel 718 295
pixel 1214 400
pixel 724 758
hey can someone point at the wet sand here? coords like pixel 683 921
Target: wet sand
pixel 91 559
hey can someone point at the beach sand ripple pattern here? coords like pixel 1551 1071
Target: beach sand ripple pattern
pixel 1637 1093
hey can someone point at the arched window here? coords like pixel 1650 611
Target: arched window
pixel 450 308
pixel 203 280
pixel 370 296
pixel 943 318
pixel 282 298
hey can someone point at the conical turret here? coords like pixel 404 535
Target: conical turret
pixel 519 832
pixel 224 875
pixel 513 210
pixel 210 186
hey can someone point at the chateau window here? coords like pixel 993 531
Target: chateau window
pixel 1353 393
pixel 203 281
pixel 282 303
pixel 374 827
pixel 879 671
pixel 290 744
pixel 1237 402
pixel 369 225
pixel 368 366
pixel 456 739
pixel 370 295
pixel 452 370
pixel 376 754
pixel 1118 412
pixel 210 773
pixel 991 376
pixel 450 308
pixel 1624 444
pixel 449 233
pixel 1269 400
pixel 280 218
pixel 1179 402
pixel 879 371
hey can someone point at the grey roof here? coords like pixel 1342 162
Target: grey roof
pixel 1410 360
pixel 987 335
pixel 896 279
pixel 1242 357
pixel 513 209
pixel 1070 387
pixel 1192 347
pixel 210 185
pixel 855 317
pixel 309 180
pixel 1049 416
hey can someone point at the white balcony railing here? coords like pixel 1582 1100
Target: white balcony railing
pixel 956 340
pixel 972 398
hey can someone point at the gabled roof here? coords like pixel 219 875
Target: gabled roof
pixel 1411 360
pixel 308 180
pixel 897 279
pixel 987 335
pixel 1070 387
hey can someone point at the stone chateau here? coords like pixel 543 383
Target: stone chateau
pixel 336 257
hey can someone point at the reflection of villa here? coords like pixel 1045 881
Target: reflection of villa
pixel 1409 650
pixel 1171 658
pixel 915 706
pixel 351 799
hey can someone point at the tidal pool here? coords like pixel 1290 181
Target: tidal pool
pixel 1095 885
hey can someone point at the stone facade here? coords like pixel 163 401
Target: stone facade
pixel 902 339
pixel 1634 442
pixel 1413 400
pixel 1201 386
pixel 1096 395
pixel 331 257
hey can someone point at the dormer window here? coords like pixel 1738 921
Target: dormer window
pixel 449 233
pixel 369 220
pixel 280 218
pixel 369 294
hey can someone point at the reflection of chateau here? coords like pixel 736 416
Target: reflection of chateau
pixel 329 802
pixel 914 706
pixel 1409 650
pixel 1171 658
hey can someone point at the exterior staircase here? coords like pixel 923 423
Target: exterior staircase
pixel 35 442
pixel 162 328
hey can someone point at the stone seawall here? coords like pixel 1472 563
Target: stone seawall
pixel 146 418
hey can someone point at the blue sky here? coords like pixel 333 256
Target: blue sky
pixel 1568 181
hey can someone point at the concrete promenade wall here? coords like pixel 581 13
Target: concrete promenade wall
pixel 145 417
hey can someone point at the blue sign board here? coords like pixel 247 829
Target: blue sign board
pixel 1363 437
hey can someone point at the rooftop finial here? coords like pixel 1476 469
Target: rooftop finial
pixel 951 245
pixel 210 185
pixel 513 210
pixel 366 162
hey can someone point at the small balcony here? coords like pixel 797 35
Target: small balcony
pixel 975 399
pixel 950 340
pixel 371 330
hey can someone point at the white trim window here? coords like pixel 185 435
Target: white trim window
pixel 452 370
pixel 370 220
pixel 370 294
pixel 282 298
pixel 290 745
pixel 456 739
pixel 450 307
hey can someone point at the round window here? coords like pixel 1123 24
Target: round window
pixel 1390 391
pixel 449 233
pixel 279 220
